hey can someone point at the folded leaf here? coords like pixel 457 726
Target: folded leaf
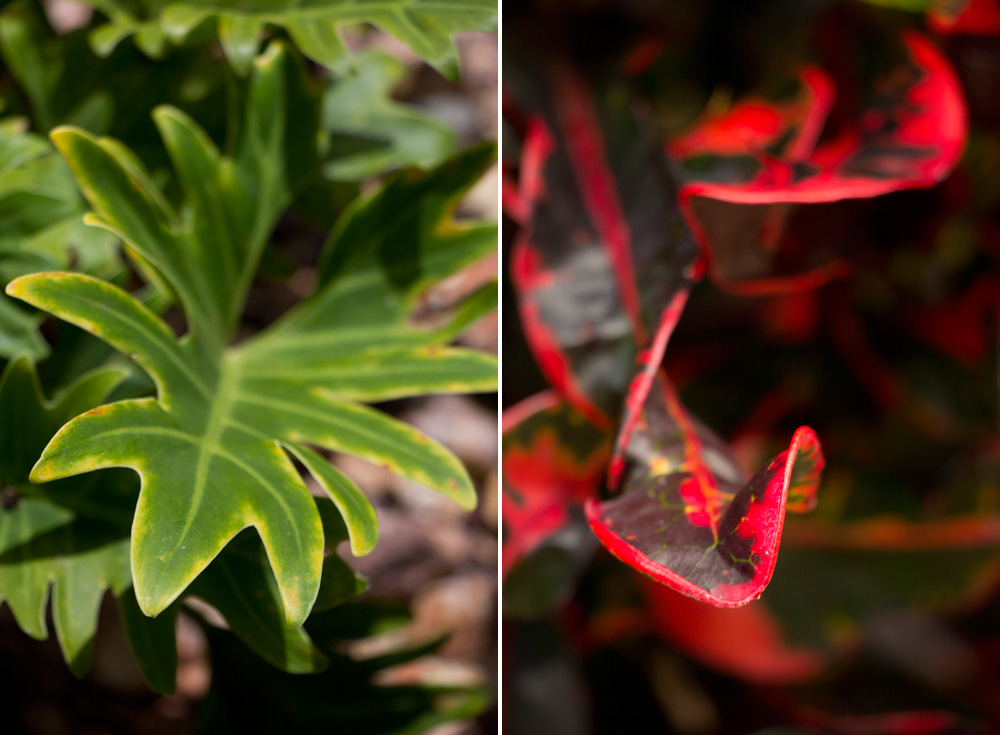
pixel 910 134
pixel 686 518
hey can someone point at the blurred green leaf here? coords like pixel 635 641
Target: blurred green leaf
pixel 370 132
pixel 69 542
pixel 426 26
pixel 41 228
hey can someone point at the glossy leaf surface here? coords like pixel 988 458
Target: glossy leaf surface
pixel 212 448
pixel 686 518
pixel 73 534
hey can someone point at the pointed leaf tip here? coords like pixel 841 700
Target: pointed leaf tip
pixel 64 136
pixel 355 509
pixel 274 52
pixel 687 520
pixel 805 467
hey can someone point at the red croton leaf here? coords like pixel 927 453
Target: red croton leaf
pixel 974 17
pixel 685 517
pixel 785 129
pixel 910 134
pixel 553 459
pixel 603 259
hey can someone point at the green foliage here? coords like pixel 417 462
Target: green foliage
pixel 74 533
pixel 59 81
pixel 426 26
pixel 41 228
pixel 370 132
pixel 209 434
pixel 213 449
pixel 65 535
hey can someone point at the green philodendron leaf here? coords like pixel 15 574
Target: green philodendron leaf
pixel 426 26
pixel 60 81
pixel 73 534
pixel 371 133
pixel 65 545
pixel 241 586
pixel 212 447
pixel 153 642
pixel 41 228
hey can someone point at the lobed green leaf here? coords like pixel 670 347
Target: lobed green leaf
pixel 212 449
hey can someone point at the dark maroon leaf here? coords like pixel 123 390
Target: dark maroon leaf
pixel 603 251
pixel 687 519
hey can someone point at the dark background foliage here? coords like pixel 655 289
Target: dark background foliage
pixel 894 365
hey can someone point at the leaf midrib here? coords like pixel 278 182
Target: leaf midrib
pixel 209 446
pixel 219 451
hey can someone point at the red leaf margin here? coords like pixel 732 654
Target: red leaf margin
pixel 767 518
pixel 528 275
pixel 935 119
pixel 946 126
pixel 542 480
